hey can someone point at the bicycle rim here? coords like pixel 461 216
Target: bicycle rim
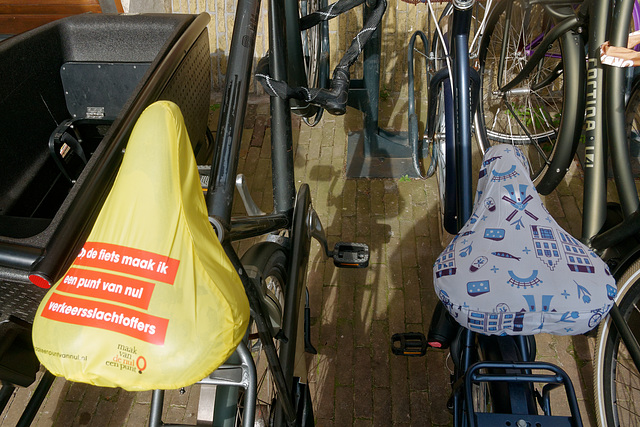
pixel 311 42
pixel 480 10
pixel 316 56
pixel 529 115
pixel 617 381
pixel 274 283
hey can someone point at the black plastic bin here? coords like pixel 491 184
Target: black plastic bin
pixel 70 94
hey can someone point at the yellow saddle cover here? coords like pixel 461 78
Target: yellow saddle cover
pixel 151 301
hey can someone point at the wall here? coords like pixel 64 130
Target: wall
pixel 400 21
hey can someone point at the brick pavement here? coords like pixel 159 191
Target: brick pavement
pixel 355 379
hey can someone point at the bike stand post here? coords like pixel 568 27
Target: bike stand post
pixel 374 152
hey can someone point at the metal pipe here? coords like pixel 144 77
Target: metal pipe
pixel 234 102
pixel 284 191
pixel 157 400
pixel 251 382
pixel 595 185
pixel 626 335
pixel 615 78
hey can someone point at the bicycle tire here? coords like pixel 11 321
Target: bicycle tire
pixel 520 395
pixel 632 118
pixel 271 263
pixel 616 380
pixel 307 54
pixel 543 115
pixel 475 32
pixel 315 52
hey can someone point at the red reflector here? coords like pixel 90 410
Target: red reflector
pixel 435 344
pixel 39 281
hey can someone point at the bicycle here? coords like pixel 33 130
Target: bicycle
pixel 536 107
pixel 284 80
pixel 272 272
pixel 510 359
pixel 599 218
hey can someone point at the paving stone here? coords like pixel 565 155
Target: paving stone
pixel 346 349
pixel 329 316
pixel 381 404
pixel 400 404
pixel 419 408
pixel 324 394
pixel 139 415
pixel 363 383
pixel 364 301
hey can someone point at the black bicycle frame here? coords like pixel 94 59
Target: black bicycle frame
pixel 606 131
pixel 221 189
pixel 614 140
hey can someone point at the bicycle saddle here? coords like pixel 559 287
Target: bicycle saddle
pixel 512 269
pixel 151 301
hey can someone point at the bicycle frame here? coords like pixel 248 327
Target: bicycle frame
pixel 222 180
pixel 598 146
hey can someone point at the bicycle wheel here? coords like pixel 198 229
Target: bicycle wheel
pixel 312 43
pixel 535 113
pixel 271 262
pixel 315 49
pixel 504 396
pixel 632 115
pixel 617 381
pixel 480 9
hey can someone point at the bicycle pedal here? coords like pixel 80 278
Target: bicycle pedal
pixel 204 171
pixel 351 255
pixel 413 344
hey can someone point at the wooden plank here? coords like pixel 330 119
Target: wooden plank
pixel 15 24
pixel 37 3
pixel 43 6
pixel 19 16
pixel 48 9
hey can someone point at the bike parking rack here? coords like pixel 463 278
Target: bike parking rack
pixel 375 152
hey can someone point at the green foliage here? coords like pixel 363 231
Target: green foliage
pixel 535 117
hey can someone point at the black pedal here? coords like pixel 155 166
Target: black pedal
pixel 413 344
pixel 351 255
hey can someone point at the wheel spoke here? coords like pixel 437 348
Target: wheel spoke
pixel 522 116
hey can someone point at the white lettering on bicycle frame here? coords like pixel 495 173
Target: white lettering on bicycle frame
pixel 591 109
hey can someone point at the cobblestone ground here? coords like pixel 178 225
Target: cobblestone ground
pixel 355 380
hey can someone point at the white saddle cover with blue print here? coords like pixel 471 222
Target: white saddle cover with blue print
pixel 512 269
